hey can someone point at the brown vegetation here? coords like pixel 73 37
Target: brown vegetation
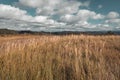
pixel 72 57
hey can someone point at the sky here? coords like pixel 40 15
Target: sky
pixel 60 15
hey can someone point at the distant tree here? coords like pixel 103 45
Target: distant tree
pixel 6 32
pixel 110 32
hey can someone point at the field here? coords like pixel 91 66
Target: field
pixel 67 57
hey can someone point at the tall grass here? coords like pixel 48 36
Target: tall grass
pixel 73 57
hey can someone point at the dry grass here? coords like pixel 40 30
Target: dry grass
pixel 73 57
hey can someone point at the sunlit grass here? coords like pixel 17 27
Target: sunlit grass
pixel 72 57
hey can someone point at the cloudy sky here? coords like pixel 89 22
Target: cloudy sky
pixel 60 15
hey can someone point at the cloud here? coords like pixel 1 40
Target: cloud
pixel 31 3
pixel 15 18
pixel 8 11
pixel 59 9
pixel 112 15
pixel 56 7
pixel 87 14
pixel 41 19
pixel 84 24
pixel 51 3
pixel 67 11
pixel 68 18
pixel 25 25
pixel 55 15
pixel 20 20
pixel 47 21
pixel 82 15
pixel 113 18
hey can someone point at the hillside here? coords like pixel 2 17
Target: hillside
pixel 13 32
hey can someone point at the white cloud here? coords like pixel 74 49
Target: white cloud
pixel 19 19
pixel 68 8
pixel 51 3
pixel 69 16
pixel 31 3
pixel 56 7
pixel 113 20
pixel 98 16
pixel 82 15
pixel 7 11
pixel 40 19
pixel 84 24
pixel 44 11
pixel 61 9
pixel 112 15
pixel 68 11
pixel 87 14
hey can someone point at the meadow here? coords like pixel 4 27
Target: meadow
pixel 66 57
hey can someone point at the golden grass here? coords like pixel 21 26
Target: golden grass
pixel 72 57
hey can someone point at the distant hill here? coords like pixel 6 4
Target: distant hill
pixel 6 31
pixel 13 32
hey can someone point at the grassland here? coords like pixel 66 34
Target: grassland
pixel 70 57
